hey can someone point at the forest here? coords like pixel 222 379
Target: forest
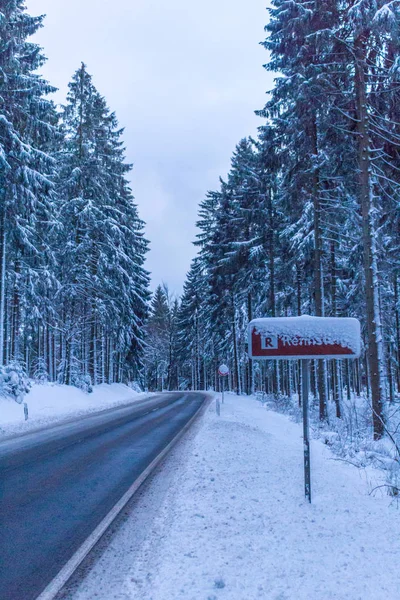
pixel 306 222
pixel 73 287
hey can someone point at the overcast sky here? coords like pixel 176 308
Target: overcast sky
pixel 184 79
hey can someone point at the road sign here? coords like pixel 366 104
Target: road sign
pixel 304 337
pixel 223 370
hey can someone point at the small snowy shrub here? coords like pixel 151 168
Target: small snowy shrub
pixel 393 479
pixel 283 404
pixel 329 437
pixel 83 382
pixel 219 584
pixel 14 382
pixel 134 385
pixel 40 374
pixel 261 396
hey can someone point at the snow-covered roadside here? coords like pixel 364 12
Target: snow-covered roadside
pixel 231 522
pixel 50 403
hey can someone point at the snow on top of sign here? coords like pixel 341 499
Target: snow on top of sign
pixel 344 331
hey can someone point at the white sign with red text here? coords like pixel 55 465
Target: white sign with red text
pixel 304 337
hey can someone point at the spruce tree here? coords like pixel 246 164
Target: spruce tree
pixel 101 257
pixel 27 129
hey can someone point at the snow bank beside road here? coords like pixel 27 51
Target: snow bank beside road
pixel 50 403
pixel 226 519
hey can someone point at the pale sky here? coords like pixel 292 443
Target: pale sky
pixel 184 78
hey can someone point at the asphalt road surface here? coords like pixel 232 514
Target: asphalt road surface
pixel 58 484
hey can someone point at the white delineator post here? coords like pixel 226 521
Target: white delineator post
pixel 304 338
pixel 223 372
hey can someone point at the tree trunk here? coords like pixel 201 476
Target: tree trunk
pixel 336 375
pixel 68 374
pixel 16 333
pixel 375 353
pixel 299 370
pixel 319 295
pixel 397 318
pixel 390 374
pixel 250 384
pixel 3 239
pixel 235 349
pixel 271 265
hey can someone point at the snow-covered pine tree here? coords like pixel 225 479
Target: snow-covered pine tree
pixel 324 178
pixel 366 38
pixel 157 349
pixel 299 112
pixel 104 292
pixel 194 341
pixel 27 130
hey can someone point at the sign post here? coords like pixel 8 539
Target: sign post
pixel 304 338
pixel 305 374
pixel 223 372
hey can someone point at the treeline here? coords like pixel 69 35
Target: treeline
pixel 307 220
pixel 73 288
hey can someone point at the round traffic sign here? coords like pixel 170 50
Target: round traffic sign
pixel 223 370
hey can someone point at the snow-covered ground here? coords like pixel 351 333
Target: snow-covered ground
pixel 225 519
pixel 50 403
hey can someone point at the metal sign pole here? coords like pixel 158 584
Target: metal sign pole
pixel 305 369
pixel 223 389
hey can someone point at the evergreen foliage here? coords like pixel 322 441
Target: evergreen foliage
pixel 73 287
pixel 161 342
pixel 307 220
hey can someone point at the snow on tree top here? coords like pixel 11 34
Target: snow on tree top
pixel 311 331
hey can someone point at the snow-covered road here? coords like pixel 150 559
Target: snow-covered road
pixel 226 519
